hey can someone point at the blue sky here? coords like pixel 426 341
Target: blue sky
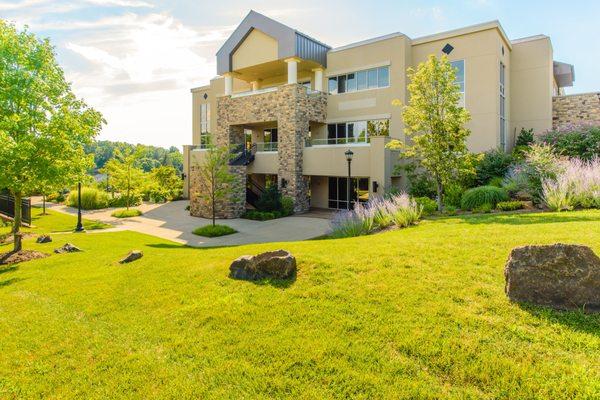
pixel 135 60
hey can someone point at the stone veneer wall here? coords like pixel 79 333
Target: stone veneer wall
pixel 575 109
pixel 229 208
pixel 293 109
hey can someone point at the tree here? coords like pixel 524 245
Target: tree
pixel 165 184
pixel 125 175
pixel 215 178
pixel 43 126
pixel 434 122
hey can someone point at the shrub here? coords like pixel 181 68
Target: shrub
pixel 214 230
pixel 525 137
pixel 450 210
pixel 579 141
pixel 484 208
pixel 479 196
pixel 420 183
pixel 577 184
pixel 91 199
pixel 287 205
pixel 261 215
pixel 428 206
pixel 126 213
pixel 495 163
pixel 135 199
pixel 510 205
pixel 269 200
pixel 452 194
pixel 357 222
pixel 496 181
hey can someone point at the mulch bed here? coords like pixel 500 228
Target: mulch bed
pixel 21 256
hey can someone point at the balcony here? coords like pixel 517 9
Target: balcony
pixel 266 147
pixel 352 141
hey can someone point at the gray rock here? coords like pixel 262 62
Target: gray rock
pixel 67 248
pixel 279 264
pixel 43 239
pixel 132 256
pixel 560 276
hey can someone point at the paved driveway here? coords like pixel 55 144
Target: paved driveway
pixel 171 221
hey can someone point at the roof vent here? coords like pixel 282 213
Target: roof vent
pixel 447 49
pixel 205 96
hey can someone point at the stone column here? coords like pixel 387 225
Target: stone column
pixel 318 79
pixel 292 69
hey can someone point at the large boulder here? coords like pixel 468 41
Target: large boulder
pixel 279 264
pixel 43 239
pixel 561 276
pixel 132 256
pixel 67 248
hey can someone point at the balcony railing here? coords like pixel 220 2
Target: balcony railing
pixel 337 141
pixel 251 92
pixel 266 146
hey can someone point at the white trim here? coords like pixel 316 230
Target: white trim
pixel 358 69
pixel 250 93
pixel 359 118
pixel 360 144
pixel 200 88
pixel 529 39
pixel 495 24
pixel 368 41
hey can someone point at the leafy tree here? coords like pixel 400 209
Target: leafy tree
pixel 165 184
pixel 215 179
pixel 126 177
pixel 434 121
pixel 104 150
pixel 43 126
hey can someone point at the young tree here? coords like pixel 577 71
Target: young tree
pixel 125 174
pixel 43 126
pixel 434 122
pixel 215 178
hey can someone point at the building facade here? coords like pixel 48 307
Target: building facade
pixel 292 106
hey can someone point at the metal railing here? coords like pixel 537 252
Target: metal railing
pixel 251 92
pixel 339 141
pixel 266 146
pixel 7 207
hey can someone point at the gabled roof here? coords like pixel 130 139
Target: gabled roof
pixel 290 42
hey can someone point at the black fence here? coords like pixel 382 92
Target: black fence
pixel 7 207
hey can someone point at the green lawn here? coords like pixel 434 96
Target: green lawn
pixel 54 222
pixel 415 313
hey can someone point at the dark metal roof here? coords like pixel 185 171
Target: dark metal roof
pixel 564 74
pixel 290 43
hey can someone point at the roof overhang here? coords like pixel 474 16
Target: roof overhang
pixel 564 74
pixel 290 43
pixel 495 24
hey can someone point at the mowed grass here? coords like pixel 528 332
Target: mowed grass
pixel 413 313
pixel 54 222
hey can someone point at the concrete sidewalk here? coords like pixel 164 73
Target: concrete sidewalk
pixel 171 221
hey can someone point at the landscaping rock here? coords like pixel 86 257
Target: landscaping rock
pixel 132 256
pixel 67 248
pixel 279 264
pixel 44 239
pixel 560 276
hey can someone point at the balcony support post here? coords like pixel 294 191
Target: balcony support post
pixel 228 84
pixel 292 69
pixel 318 79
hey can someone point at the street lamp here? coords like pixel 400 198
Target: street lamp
pixel 79 227
pixel 349 155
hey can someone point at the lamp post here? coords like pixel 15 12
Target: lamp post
pixel 79 227
pixel 349 155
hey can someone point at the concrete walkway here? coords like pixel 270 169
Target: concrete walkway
pixel 171 221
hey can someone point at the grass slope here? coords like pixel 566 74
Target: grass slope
pixel 55 222
pixel 413 313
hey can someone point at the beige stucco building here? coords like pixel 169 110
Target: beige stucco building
pixel 297 105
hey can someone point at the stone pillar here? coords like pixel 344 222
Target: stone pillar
pixel 228 84
pixel 292 70
pixel 318 79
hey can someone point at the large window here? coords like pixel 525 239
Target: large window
pixel 502 107
pixel 360 80
pixel 459 67
pixel 338 192
pixel 356 132
pixel 204 124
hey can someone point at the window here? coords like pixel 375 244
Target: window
pixel 502 107
pixel 459 66
pixel 306 84
pixel 357 131
pixel 338 192
pixel 204 124
pixel 332 85
pixel 361 80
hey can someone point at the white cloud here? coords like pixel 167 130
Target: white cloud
pixel 13 6
pixel 121 3
pixel 430 12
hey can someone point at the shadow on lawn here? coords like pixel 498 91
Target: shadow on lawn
pixel 11 268
pixel 575 320
pixel 276 283
pixel 527 219
pixel 10 282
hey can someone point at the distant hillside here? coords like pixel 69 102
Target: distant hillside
pixel 104 150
